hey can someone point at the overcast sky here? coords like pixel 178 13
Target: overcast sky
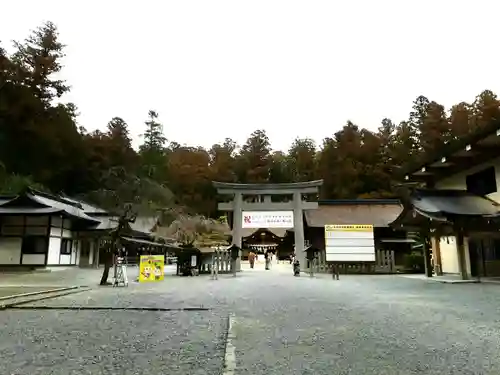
pixel 216 69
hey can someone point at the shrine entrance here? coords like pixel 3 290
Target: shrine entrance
pixel 268 206
pixel 262 240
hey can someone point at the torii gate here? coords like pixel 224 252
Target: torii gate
pixel 285 210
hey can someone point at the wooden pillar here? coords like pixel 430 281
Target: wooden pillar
pixel 426 253
pixel 298 228
pixel 214 269
pixel 438 266
pixel 97 249
pixel 462 263
pixel 237 227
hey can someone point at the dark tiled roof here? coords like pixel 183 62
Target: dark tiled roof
pixel 37 203
pixel 280 232
pixel 86 207
pixel 144 224
pixel 378 215
pixel 265 186
pixel 450 148
pixel 70 209
pixel 453 202
pixel 358 201
pixel 106 223
pixel 28 210
pixel 6 198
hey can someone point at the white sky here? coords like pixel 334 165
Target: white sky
pixel 223 68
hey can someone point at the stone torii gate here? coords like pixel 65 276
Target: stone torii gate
pixel 263 193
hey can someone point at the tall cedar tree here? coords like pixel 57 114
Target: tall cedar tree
pixel 254 160
pixel 152 151
pixel 41 143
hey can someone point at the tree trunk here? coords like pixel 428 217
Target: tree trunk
pixel 105 272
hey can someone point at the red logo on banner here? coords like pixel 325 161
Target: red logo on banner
pixel 247 219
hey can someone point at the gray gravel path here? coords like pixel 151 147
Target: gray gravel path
pixel 70 343
pixel 369 325
pixel 12 291
pixel 283 325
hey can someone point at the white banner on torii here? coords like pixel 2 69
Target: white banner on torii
pixel 267 219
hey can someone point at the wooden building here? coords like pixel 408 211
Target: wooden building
pixel 390 245
pixel 279 241
pixel 43 230
pixel 452 197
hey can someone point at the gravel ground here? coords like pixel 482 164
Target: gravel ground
pixel 283 325
pixel 116 342
pixel 10 291
pixel 369 325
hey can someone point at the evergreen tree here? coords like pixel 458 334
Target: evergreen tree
pixel 152 151
pixel 41 143
pixel 254 160
pixel 40 57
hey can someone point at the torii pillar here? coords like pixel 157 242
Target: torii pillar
pixel 239 205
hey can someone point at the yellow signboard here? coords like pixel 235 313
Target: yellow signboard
pixel 151 268
pixel 349 228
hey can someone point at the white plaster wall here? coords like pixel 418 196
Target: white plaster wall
pixel 65 259
pixel 54 250
pixel 10 250
pixel 458 181
pixel 449 255
pixel 34 259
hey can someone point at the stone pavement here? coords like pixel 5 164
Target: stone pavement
pixel 282 325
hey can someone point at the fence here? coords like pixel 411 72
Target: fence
pixel 384 263
pixel 223 263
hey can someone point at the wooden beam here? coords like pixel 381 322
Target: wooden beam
pixel 274 206
pixel 266 186
pixel 270 191
pixel 456 163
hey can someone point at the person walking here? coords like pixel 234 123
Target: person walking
pixel 251 259
pixel 267 257
pixel 335 271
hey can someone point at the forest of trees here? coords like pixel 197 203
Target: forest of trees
pixel 41 144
